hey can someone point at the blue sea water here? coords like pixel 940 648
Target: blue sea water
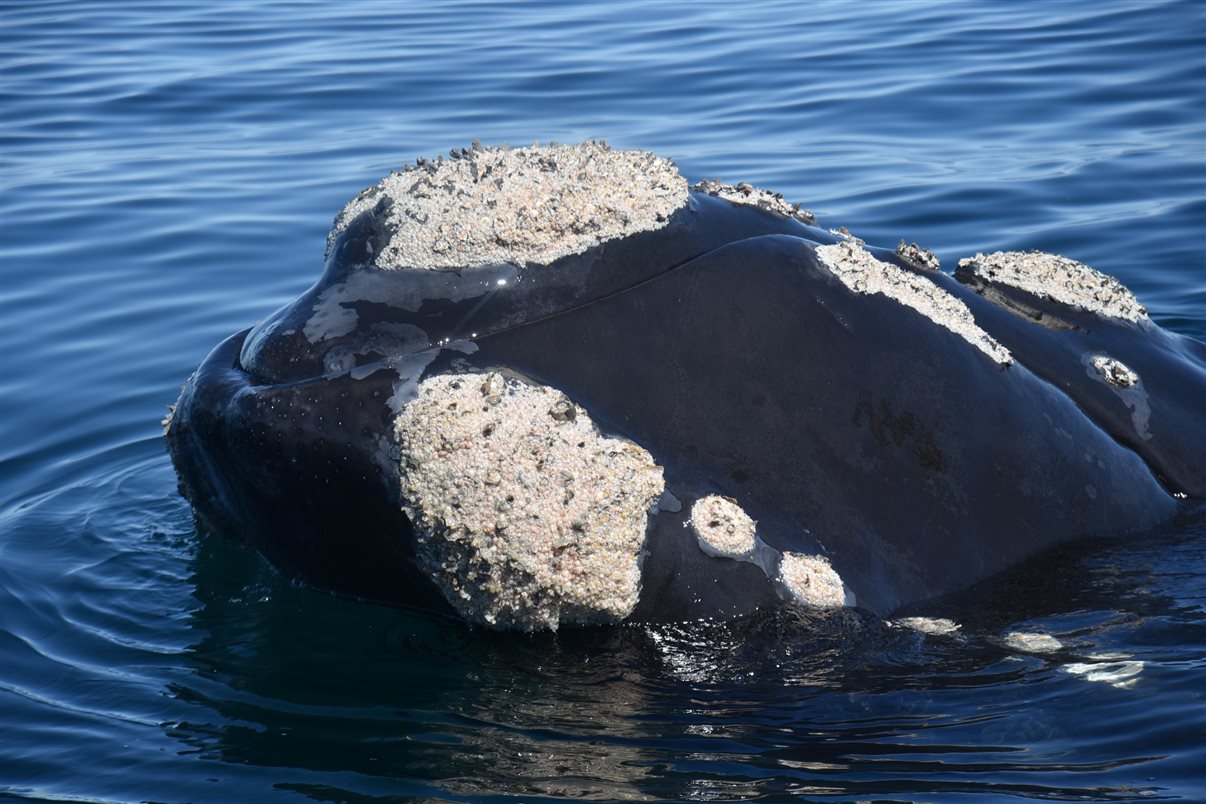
pixel 168 173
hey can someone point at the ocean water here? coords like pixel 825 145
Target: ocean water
pixel 168 174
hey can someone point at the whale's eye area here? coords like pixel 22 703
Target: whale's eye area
pixel 531 205
pixel 525 517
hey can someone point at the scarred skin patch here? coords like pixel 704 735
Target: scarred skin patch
pixel 723 528
pixel 526 517
pixel 531 205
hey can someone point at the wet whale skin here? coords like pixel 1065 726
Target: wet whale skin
pixel 846 424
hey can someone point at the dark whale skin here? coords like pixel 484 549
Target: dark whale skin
pixel 847 424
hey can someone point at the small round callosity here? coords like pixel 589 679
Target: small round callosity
pixel 751 196
pixel 525 516
pixel 532 205
pixel 916 255
pixel 811 581
pixel 722 528
pixel 1059 279
pixel 861 272
pixel 1115 372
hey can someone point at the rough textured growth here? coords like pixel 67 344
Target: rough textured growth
pixel 749 195
pixel 915 254
pixel 723 529
pixel 1115 372
pixel 489 206
pixel 526 517
pixel 810 580
pixel 1059 279
pixel 861 272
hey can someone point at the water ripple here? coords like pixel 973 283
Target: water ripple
pixel 168 172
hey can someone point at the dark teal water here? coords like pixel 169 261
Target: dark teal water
pixel 169 172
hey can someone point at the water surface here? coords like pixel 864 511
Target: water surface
pixel 168 175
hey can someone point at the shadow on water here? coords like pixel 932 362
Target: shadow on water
pixel 783 703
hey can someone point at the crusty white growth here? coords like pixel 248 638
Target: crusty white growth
pixel 1115 372
pixel 1032 642
pixel 526 517
pixel 723 528
pixel 749 195
pixel 810 580
pixel 861 272
pixel 1059 279
pixel 935 626
pixel 487 206
pixel 921 257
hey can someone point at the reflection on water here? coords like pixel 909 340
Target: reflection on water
pixel 791 701
pixel 190 666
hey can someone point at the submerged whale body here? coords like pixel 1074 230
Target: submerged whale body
pixel 555 386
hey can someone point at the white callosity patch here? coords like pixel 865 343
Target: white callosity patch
pixel 915 254
pixel 1126 383
pixel 935 626
pixel 723 528
pixel 1059 279
pixel 531 205
pixel 748 195
pixel 526 517
pixel 860 271
pixel 1115 372
pixel 810 580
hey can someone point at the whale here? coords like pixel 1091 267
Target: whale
pixel 558 386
